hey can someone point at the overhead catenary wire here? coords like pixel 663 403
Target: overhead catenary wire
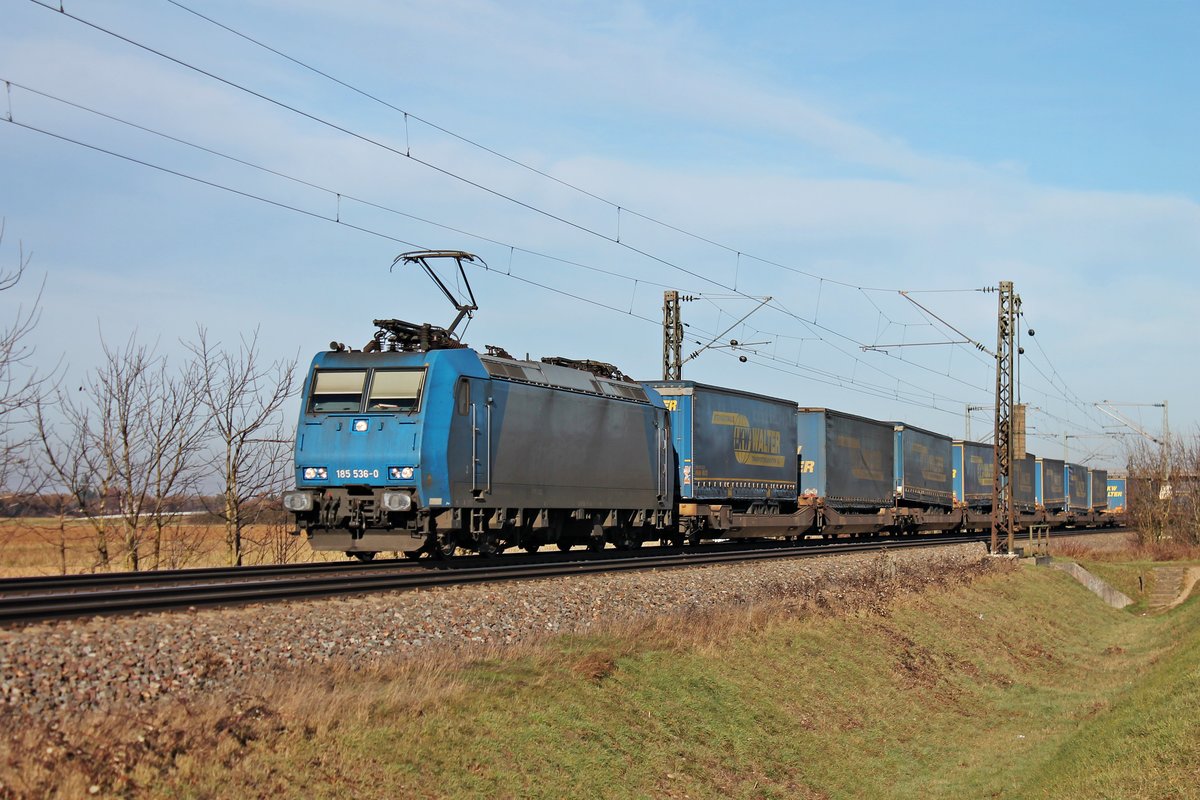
pixel 812 325
pixel 335 193
pixel 926 399
pixel 618 208
pixel 449 173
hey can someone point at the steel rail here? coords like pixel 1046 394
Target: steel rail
pixel 89 581
pixel 214 587
pixel 95 581
pixel 22 609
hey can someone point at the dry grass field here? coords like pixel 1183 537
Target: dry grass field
pixel 47 546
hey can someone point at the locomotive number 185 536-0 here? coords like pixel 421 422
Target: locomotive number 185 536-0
pixel 357 473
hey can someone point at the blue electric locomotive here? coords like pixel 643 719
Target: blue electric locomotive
pixel 419 444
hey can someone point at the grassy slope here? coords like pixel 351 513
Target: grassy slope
pixel 1148 745
pixel 1023 685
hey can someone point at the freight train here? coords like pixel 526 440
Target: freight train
pixel 420 444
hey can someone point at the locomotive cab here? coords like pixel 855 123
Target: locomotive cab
pixel 372 426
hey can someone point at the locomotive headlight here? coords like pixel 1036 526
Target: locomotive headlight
pixel 315 473
pixel 397 501
pixel 400 473
pixel 360 425
pixel 297 501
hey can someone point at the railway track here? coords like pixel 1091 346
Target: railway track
pixel 26 600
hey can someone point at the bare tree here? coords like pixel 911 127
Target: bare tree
pixel 124 446
pixel 1164 504
pixel 175 446
pixel 20 385
pixel 251 459
pixel 65 450
pixel 123 389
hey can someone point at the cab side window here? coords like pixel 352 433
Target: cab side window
pixel 462 396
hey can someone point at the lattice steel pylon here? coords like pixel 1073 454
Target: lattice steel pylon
pixel 1003 511
pixel 672 338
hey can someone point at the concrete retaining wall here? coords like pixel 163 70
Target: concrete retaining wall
pixel 1101 589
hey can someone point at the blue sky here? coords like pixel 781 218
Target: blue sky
pixel 826 155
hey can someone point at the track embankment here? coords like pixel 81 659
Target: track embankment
pixel 94 663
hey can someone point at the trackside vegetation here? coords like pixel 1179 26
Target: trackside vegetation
pixel 1012 684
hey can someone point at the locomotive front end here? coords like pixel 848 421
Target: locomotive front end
pixel 358 453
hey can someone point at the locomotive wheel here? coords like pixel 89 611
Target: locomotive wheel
pixel 434 547
pixel 563 545
pixel 595 545
pixel 362 556
pixel 489 544
pixel 627 540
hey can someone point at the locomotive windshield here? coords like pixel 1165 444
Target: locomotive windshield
pixel 395 389
pixel 342 390
pixel 337 390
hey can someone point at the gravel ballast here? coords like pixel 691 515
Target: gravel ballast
pixel 95 663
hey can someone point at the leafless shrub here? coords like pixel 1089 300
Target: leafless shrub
pixel 183 543
pixel 20 384
pixel 250 456
pixel 124 446
pixel 272 541
pixel 1163 491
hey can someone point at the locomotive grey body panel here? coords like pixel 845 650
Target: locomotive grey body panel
pixel 527 446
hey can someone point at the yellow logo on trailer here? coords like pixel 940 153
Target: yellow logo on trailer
pixel 759 447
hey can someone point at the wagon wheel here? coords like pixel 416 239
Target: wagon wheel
pixel 489 544
pixel 626 538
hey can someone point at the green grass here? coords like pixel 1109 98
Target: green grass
pixel 1135 579
pixel 1019 685
pixel 1148 742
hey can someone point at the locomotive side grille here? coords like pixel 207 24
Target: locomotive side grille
pixel 572 381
